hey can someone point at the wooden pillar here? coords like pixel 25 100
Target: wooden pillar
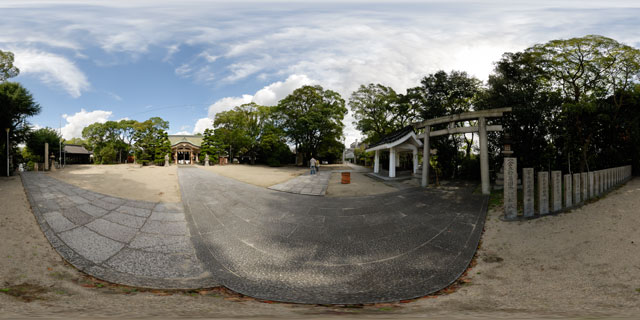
pixel 484 156
pixel 176 155
pixel 426 153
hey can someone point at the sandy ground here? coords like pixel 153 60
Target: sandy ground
pixel 360 185
pixel 150 183
pixel 258 175
pixel 582 263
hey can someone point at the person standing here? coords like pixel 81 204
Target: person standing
pixel 312 163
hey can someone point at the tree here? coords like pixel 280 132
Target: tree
pixel 444 94
pixel 378 111
pixel 586 71
pixel 310 117
pixel 36 140
pixel 518 82
pixel 149 136
pixel 16 105
pixel 211 145
pixel 7 69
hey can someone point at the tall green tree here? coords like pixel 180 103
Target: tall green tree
pixel 36 140
pixel 378 111
pixel 442 94
pixel 518 82
pixel 211 145
pixel 586 71
pixel 311 117
pixel 16 105
pixel 7 69
pixel 150 136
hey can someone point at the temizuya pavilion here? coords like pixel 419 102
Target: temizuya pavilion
pixel 406 140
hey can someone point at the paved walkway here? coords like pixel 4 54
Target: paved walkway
pixel 295 248
pixel 266 244
pixel 307 184
pixel 124 241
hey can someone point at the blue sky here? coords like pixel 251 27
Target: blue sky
pixel 88 61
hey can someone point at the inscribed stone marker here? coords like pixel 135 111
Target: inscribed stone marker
pixel 527 192
pixel 568 191
pixel 584 184
pixel 591 186
pixel 510 188
pixel 543 192
pixel 596 183
pixel 576 188
pixel 556 183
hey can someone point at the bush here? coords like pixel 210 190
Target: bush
pixel 107 155
pixel 144 162
pixel 159 162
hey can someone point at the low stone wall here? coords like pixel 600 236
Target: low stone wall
pixel 575 191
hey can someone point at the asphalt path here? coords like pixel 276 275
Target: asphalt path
pixel 296 248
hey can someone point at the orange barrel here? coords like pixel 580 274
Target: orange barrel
pixel 346 177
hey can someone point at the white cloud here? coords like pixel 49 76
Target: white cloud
pixel 183 133
pixel 52 69
pixel 227 103
pixel 79 120
pixel 202 124
pixel 271 94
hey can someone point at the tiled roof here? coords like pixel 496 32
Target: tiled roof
pixel 194 140
pixel 393 136
pixel 75 149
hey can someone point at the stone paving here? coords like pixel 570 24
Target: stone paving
pixel 124 241
pixel 307 184
pixel 297 248
pixel 266 244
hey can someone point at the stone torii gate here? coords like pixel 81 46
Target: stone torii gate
pixel 481 129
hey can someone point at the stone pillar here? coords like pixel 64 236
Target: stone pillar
pixel 592 188
pixel 426 154
pixel 556 184
pixel 510 192
pixel 415 161
pixel 543 192
pixel 376 162
pixel 584 184
pixel 392 163
pixel 602 180
pixel 568 191
pixel 197 159
pixel 527 192
pixel 596 184
pixel 576 189
pixel 484 156
pixel 46 156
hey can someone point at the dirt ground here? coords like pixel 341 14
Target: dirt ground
pixel 360 185
pixel 258 175
pixel 150 183
pixel 582 263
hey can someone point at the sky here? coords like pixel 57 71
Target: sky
pixel 184 61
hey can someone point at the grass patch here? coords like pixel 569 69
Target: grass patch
pixel 26 292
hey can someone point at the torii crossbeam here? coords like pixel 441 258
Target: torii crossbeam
pixel 481 128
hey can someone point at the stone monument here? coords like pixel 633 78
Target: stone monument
pixel 527 191
pixel 166 160
pixel 510 188
pixel 206 160
pixel 543 192
pixel 556 184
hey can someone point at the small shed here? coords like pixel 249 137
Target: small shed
pixel 399 141
pixel 76 154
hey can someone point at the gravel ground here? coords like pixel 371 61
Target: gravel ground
pixel 579 264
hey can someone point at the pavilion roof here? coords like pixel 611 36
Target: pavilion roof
pixel 75 149
pixel 396 138
pixel 192 139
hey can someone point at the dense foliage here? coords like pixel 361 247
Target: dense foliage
pixel 16 105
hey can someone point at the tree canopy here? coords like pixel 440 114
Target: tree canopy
pixel 310 116
pixel 7 69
